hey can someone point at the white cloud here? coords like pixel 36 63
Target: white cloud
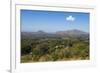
pixel 70 18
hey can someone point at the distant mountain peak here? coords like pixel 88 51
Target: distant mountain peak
pixel 76 30
pixel 40 32
pixel 71 32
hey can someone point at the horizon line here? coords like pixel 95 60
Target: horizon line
pixel 56 31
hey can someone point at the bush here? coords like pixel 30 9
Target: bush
pixel 41 49
pixel 26 50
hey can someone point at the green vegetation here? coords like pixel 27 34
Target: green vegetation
pixel 54 49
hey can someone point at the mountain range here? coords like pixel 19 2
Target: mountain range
pixel 67 33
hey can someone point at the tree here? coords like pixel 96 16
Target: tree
pixel 25 50
pixel 41 49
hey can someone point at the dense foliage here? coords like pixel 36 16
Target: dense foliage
pixel 54 49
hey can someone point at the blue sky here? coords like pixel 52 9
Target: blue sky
pixel 52 21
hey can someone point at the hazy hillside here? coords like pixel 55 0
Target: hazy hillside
pixel 68 33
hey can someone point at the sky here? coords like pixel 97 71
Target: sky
pixel 53 21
